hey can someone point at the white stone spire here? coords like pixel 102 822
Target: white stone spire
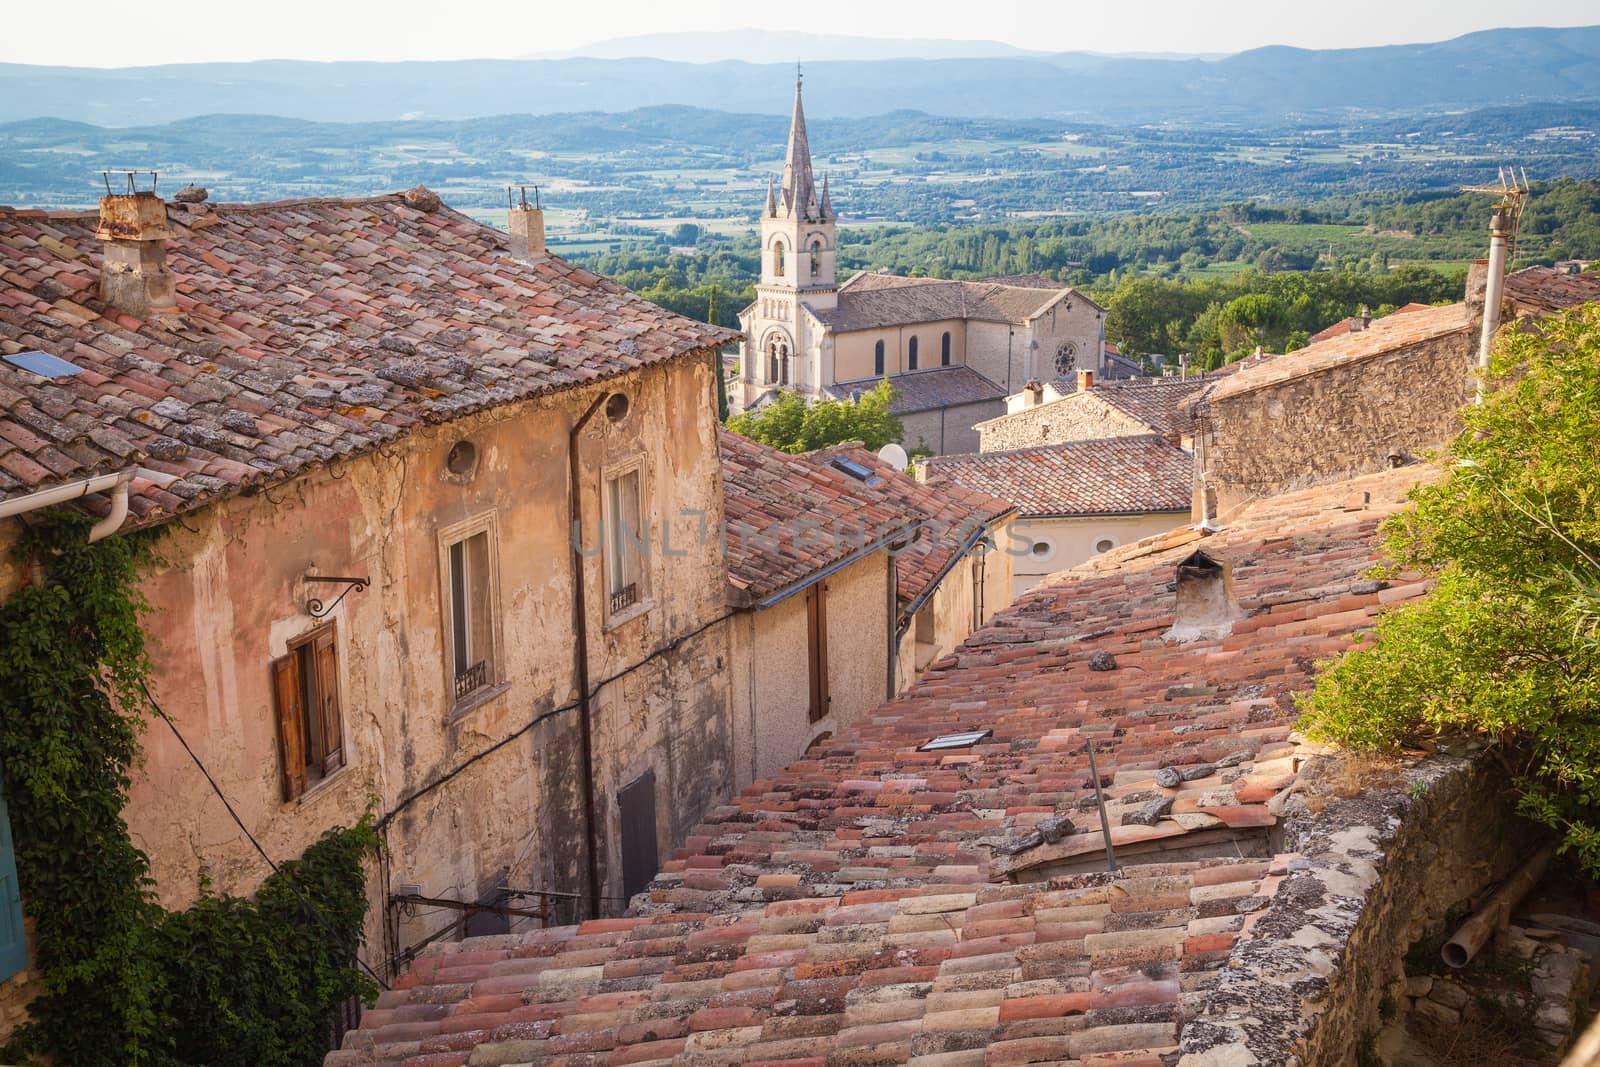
pixel 799 189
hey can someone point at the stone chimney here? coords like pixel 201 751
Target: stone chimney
pixel 1085 380
pixel 1477 286
pixel 526 222
pixel 1032 393
pixel 134 275
pixel 1206 608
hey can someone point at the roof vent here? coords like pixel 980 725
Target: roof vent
pixel 1206 608
pixel 944 742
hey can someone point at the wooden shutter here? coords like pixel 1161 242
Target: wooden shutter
pixel 13 942
pixel 325 654
pixel 286 690
pixel 817 647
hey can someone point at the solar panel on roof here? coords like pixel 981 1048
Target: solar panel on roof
pixel 962 740
pixel 41 363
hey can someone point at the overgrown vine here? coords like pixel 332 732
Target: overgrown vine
pixel 227 981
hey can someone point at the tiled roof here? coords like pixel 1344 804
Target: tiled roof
pixel 949 515
pixel 1111 476
pixel 1542 290
pixel 928 390
pixel 1156 402
pixel 873 301
pixel 308 331
pixel 855 908
pixel 789 518
pixel 1347 324
pixel 1384 335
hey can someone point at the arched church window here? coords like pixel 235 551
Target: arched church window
pixel 816 257
pixel 944 349
pixel 877 360
pixel 783 362
pixel 777 260
pixel 772 362
pixel 911 353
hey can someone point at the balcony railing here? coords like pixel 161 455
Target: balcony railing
pixel 625 597
pixel 472 679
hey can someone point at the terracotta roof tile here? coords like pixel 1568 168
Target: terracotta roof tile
pixel 856 906
pixel 790 517
pixel 871 301
pixel 1111 476
pixel 308 330
pixel 1542 290
pixel 948 516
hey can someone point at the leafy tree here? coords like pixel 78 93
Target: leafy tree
pixel 788 423
pixel 1507 645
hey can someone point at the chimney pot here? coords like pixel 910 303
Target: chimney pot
pixel 1085 380
pixel 133 272
pixel 1206 608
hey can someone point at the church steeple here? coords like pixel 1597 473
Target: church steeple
pixel 799 189
pixel 827 202
pixel 772 202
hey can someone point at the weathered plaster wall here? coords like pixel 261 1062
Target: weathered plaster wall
pixel 228 596
pixel 955 604
pixel 1367 870
pixel 1078 417
pixel 1332 424
pixel 1070 541
pixel 770 679
pixel 950 430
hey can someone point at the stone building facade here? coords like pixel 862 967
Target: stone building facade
pixel 433 417
pixel 1095 410
pixel 954 349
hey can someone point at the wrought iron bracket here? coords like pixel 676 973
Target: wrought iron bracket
pixel 314 606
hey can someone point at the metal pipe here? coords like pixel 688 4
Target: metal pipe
pixel 1100 802
pixel 580 626
pixel 1495 912
pixel 1494 290
pixel 892 668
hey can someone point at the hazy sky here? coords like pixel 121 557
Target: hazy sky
pixel 135 33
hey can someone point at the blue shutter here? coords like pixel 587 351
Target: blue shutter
pixel 13 945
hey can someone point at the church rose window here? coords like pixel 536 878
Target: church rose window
pixel 1066 358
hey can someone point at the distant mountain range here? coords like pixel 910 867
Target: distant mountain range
pixel 1263 86
pixel 781 46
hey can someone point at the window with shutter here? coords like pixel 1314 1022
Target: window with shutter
pixel 817 648
pixel 625 538
pixel 13 941
pixel 305 689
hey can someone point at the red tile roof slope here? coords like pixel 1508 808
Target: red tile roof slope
pixel 852 909
pixel 1110 476
pixel 1156 402
pixel 310 330
pixel 789 518
pixel 1344 324
pixel 949 515
pixel 1384 335
pixel 1543 290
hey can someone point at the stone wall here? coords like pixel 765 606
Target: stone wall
pixel 949 431
pixel 1372 860
pixel 1079 417
pixel 1338 422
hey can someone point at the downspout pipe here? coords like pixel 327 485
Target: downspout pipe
pixel 1494 291
pixel 1495 913
pixel 116 484
pixel 580 628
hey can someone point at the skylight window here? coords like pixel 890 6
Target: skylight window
pixel 856 471
pixel 41 363
pixel 966 739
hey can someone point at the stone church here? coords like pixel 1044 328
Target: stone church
pixel 954 349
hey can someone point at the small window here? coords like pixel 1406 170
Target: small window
pixel 467 564
pixel 772 362
pixel 1105 544
pixel 816 258
pixel 965 739
pixel 877 360
pixel 817 649
pixel 305 687
pixel 777 260
pixel 944 349
pixel 1043 549
pixel 624 540
pixel 911 353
